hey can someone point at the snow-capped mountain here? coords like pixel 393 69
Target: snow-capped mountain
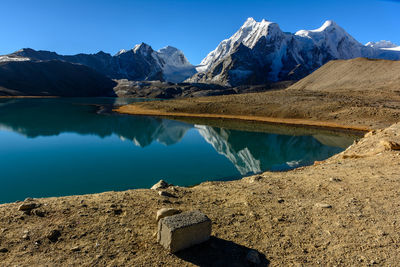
pixel 260 52
pixel 384 45
pixel 140 63
pixel 381 44
pixel 175 66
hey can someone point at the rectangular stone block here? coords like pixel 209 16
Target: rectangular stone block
pixel 183 230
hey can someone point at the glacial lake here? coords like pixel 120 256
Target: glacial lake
pixel 58 147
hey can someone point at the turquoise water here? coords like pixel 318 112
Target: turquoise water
pixel 57 147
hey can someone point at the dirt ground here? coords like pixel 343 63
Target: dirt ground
pixel 341 212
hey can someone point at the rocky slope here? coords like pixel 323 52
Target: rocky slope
pixel 261 52
pixel 140 63
pixel 358 74
pixel 52 78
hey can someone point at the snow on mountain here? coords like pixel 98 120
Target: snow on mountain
pixel 248 35
pixel 397 48
pixel 8 58
pixel 169 61
pixel 334 39
pixel 381 44
pixel 259 52
pixel 139 63
pixel 174 64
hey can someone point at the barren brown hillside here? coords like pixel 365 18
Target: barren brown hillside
pixel 355 74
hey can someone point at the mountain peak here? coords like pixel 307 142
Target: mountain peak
pixel 122 51
pixel 328 24
pixel 249 21
pixel 142 48
pixel 168 50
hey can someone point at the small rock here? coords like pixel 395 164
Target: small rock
pixel 253 257
pixel 160 185
pixel 26 236
pixel 3 250
pixel 323 205
pixel 38 242
pixel 334 179
pixel 390 145
pixel 279 219
pixel 166 194
pixel 118 211
pixel 281 200
pixel 54 235
pixel 255 179
pixel 39 213
pixel 27 207
pixel 75 249
pixel 165 212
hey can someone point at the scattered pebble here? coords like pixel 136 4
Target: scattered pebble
pixel 3 250
pixel 166 194
pixel 118 211
pixel 26 235
pixel 323 205
pixel 75 249
pixel 253 257
pixel 281 200
pixel 39 213
pixel 255 179
pixel 54 235
pixel 334 179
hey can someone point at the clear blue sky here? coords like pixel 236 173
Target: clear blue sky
pixel 196 27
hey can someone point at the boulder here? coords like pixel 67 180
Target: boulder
pixel 181 231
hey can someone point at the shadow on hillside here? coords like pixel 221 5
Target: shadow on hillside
pixel 219 252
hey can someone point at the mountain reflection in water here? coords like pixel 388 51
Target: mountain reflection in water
pixel 248 152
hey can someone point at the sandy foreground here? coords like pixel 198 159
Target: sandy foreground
pixel 344 211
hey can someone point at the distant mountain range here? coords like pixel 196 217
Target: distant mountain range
pixel 141 63
pixel 258 53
